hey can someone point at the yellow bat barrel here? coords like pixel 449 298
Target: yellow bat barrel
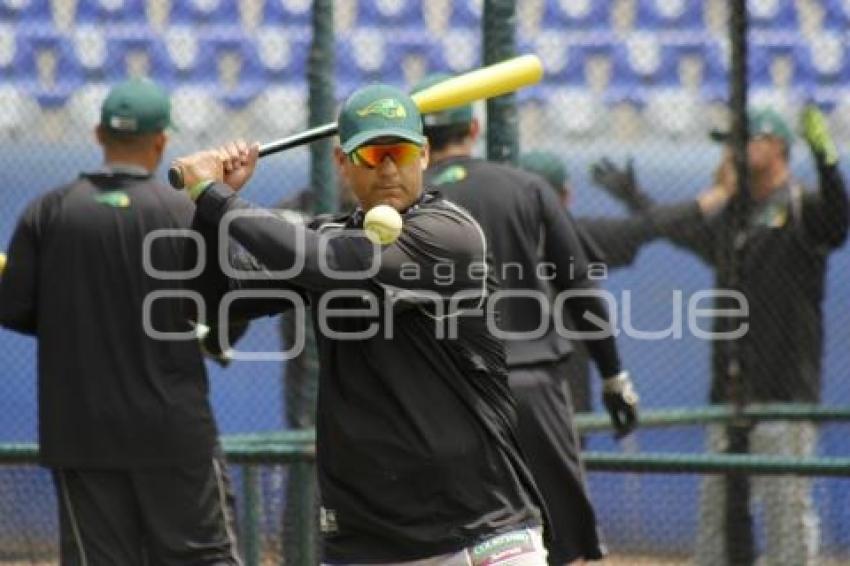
pixel 486 82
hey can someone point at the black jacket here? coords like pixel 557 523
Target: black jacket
pixel 536 248
pixel 109 395
pixel 416 448
pixel 782 262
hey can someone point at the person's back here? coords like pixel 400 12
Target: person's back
pixel 104 377
pixel 96 274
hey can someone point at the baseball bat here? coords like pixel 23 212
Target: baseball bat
pixel 486 82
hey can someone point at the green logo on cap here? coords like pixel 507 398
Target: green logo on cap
pixel 389 108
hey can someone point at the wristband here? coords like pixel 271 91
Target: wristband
pixel 196 190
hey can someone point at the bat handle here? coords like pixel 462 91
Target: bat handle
pixel 175 177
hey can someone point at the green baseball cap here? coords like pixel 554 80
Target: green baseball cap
pixel 547 165
pixel 457 115
pixel 136 106
pixel 761 122
pixel 377 111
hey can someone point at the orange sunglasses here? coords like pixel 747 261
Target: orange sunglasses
pixel 371 156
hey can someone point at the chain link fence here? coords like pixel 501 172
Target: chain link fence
pixel 639 80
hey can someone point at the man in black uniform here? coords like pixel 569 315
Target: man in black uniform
pixel 124 418
pixel 612 241
pixel 417 455
pixel 782 253
pixel 521 216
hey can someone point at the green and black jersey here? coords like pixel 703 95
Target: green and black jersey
pixel 416 426
pixel 110 394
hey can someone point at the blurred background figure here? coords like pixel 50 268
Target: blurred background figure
pixel 782 256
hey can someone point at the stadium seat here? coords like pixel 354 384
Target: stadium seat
pixel 371 55
pixel 836 15
pixel 196 112
pixel 110 12
pixel 584 15
pixel 46 67
pixel 25 11
pixel 205 12
pixel 287 12
pixel 390 13
pixel 763 56
pixel 125 49
pixel 20 111
pixel 280 110
pixel 564 62
pixel 90 49
pixel 775 15
pixel 458 50
pixel 466 14
pixel 674 111
pixel 830 57
pixel 181 43
pixel 282 54
pixel 715 73
pixel 230 66
pixel 624 85
pixel 83 107
pixel 573 111
pixel 670 15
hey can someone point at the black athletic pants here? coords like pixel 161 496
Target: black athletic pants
pixel 550 443
pixel 181 515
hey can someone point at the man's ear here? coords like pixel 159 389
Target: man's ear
pixel 160 141
pixel 425 156
pixel 99 134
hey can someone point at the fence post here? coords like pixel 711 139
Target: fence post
pixel 499 31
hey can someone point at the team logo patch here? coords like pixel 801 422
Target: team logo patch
pixel 452 174
pixel 115 199
pixel 388 108
pixel 502 549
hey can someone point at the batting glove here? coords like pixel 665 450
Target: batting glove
pixel 816 134
pixel 620 184
pixel 621 400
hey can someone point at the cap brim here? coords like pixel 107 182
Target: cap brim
pixel 365 137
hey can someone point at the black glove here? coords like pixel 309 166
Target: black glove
pixel 621 400
pixel 620 184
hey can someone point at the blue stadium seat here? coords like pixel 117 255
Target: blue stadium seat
pixel 52 90
pixel 775 15
pixel 762 57
pixel 390 13
pixel 715 73
pixel 201 12
pixel 457 51
pixel 282 54
pixel 466 14
pixel 564 63
pixel 287 12
pixel 585 15
pixel 830 57
pixel 678 15
pixel 28 11
pixel 836 15
pixel 120 46
pixel 624 85
pixel 374 56
pixel 249 77
pixel 111 12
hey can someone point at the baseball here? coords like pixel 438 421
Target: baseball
pixel 382 224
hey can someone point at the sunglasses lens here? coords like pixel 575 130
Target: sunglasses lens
pixel 373 155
